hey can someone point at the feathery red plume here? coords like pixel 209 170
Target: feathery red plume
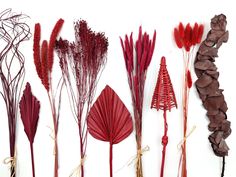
pixel 200 33
pixel 44 57
pixel 109 120
pixel 189 79
pixel 188 37
pixel 178 40
pixel 36 50
pixel 181 30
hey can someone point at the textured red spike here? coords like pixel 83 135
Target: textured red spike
pixel 45 71
pixel 195 34
pixel 177 37
pixel 181 30
pixel 189 79
pixel 36 50
pixel 164 96
pixel 52 41
pixel 200 33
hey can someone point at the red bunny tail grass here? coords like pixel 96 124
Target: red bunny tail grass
pixel 200 33
pixel 45 73
pixel 178 40
pixel 181 30
pixel 188 37
pixel 189 79
pixel 36 50
pixel 52 41
pixel 195 34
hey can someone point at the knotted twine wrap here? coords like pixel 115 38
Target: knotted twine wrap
pixel 208 89
pixel 12 162
pixel 77 171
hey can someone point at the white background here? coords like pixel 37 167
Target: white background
pixel 117 18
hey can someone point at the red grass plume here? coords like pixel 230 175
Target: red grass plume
pixel 164 99
pixel 109 120
pixel 29 110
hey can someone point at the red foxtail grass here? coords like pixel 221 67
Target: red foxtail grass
pixel 187 38
pixel 13 32
pixel 164 99
pixel 109 120
pixel 137 63
pixel 29 110
pixel 82 63
pixel 43 60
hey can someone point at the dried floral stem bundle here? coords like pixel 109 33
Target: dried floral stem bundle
pixel 187 38
pixel 82 63
pixel 136 65
pixel 13 31
pixel 164 99
pixel 29 110
pixel 208 85
pixel 43 60
pixel 109 120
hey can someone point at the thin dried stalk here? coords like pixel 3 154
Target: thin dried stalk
pixel 13 31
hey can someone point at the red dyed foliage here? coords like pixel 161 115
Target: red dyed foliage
pixel 188 36
pixel 29 110
pixel 189 79
pixel 164 99
pixel 109 120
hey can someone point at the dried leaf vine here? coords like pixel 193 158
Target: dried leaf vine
pixel 82 63
pixel 43 60
pixel 13 32
pixel 137 63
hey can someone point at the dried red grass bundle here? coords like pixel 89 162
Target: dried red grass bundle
pixel 186 39
pixel 136 66
pixel 13 32
pixel 208 86
pixel 109 120
pixel 29 110
pixel 82 63
pixel 164 99
pixel 43 60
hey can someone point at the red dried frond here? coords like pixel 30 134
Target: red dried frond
pixel 181 30
pixel 164 96
pixel 151 48
pixel 29 110
pixel 45 71
pixel 36 50
pixel 200 33
pixel 188 37
pixel 195 34
pixel 52 41
pixel 178 40
pixel 109 120
pixel 189 79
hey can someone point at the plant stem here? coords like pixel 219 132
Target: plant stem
pixel 81 150
pixel 223 167
pixel 32 158
pixel 111 157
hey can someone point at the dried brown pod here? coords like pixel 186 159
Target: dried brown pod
pixel 208 86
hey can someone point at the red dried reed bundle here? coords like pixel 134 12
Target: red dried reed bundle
pixel 43 60
pixel 13 31
pixel 136 66
pixel 29 110
pixel 164 99
pixel 187 38
pixel 109 120
pixel 81 64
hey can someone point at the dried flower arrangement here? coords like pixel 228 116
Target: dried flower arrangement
pixel 13 32
pixel 137 65
pixel 208 85
pixel 82 63
pixel 29 110
pixel 43 60
pixel 187 38
pixel 164 99
pixel 109 120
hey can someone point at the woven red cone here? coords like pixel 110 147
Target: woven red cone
pixel 164 96
pixel 109 120
pixel 164 99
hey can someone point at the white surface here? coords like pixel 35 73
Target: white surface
pixel 117 18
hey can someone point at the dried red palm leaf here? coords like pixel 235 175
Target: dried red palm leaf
pixel 29 110
pixel 164 99
pixel 109 120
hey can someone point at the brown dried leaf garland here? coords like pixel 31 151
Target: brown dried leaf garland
pixel 13 32
pixel 208 89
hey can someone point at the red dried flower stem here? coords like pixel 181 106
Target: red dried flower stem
pixel 13 32
pixel 111 157
pixel 144 48
pixel 43 60
pixel 186 38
